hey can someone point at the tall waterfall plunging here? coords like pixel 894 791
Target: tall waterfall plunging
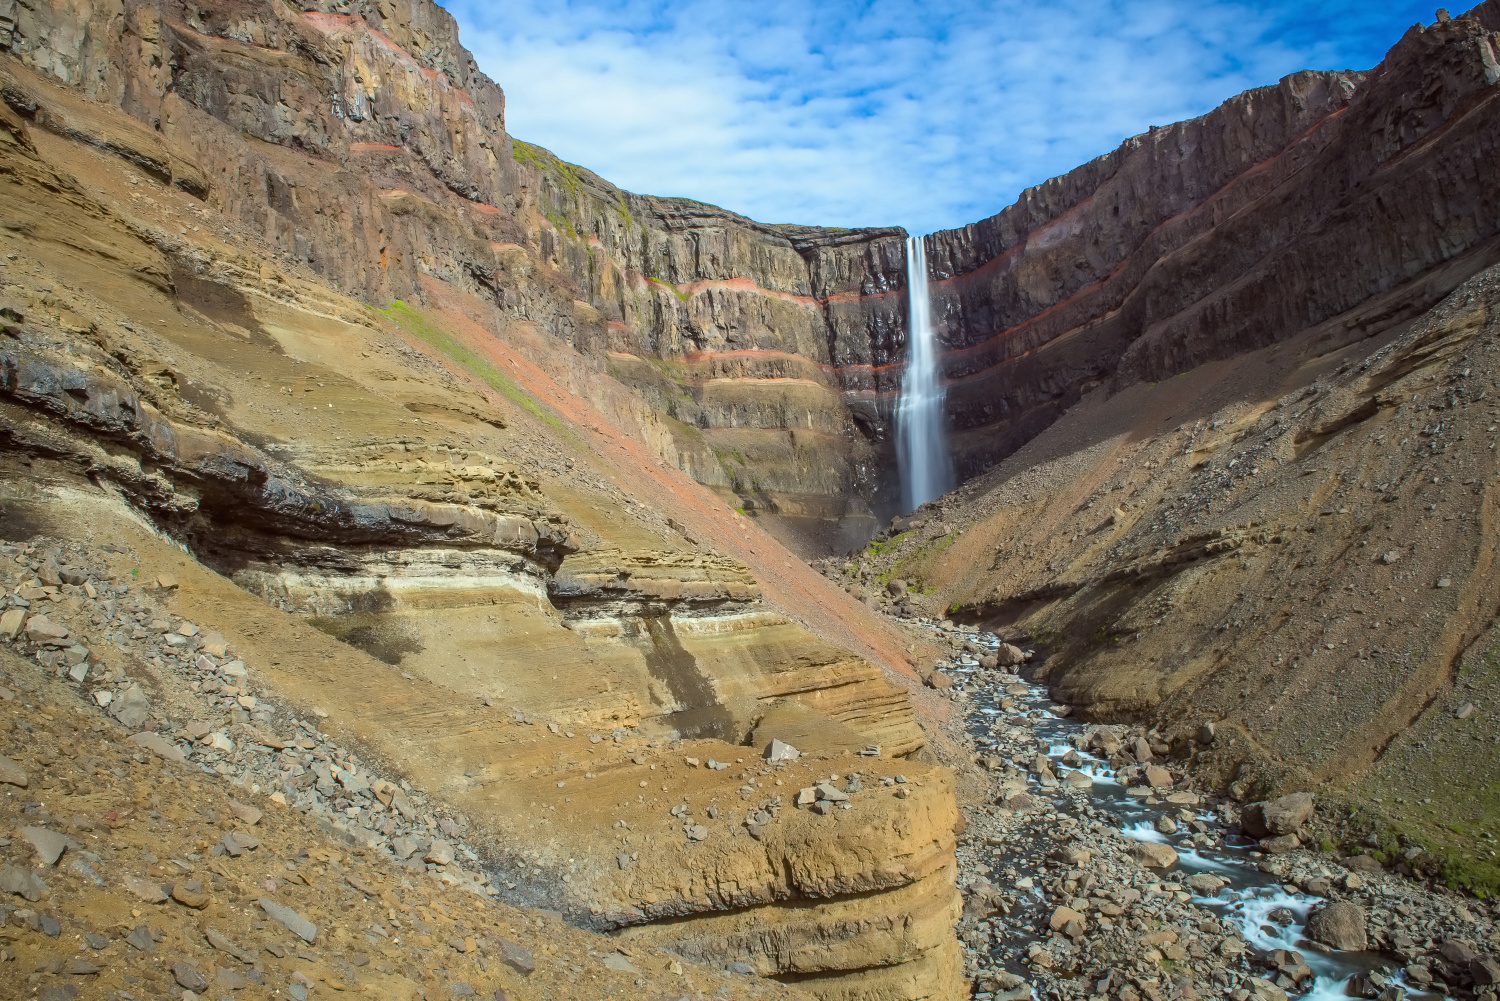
pixel 921 454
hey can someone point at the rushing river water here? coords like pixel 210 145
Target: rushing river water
pixel 1267 914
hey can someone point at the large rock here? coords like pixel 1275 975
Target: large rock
pixel 1339 925
pixel 1276 817
pixel 1153 855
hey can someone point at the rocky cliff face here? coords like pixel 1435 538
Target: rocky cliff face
pixel 383 159
pixel 1284 208
pixel 286 317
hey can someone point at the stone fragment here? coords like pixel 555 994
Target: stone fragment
pixel 830 793
pixel 1339 925
pixel 1485 970
pixel 1464 711
pixel 188 978
pixel 1205 884
pixel 439 852
pixel 776 750
pixel 1206 732
pixel 697 832
pixel 1077 779
pixel 1007 655
pixel 214 644
pixel 249 814
pixel 230 980
pixel 40 629
pixel 158 745
pixel 291 920
pixel 1158 777
pixel 517 957
pixel 1265 990
pixel 145 890
pixel 220 941
pixel 191 894
pixel 1153 855
pixel 12 773
pixel 131 707
pixel 141 939
pixel 1280 845
pixel 806 796
pixel 49 844
pixel 619 963
pixel 10 622
pixel 1064 916
pixel 80 968
pixel 21 883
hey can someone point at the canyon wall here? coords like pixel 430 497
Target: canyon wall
pixel 1284 207
pixel 290 320
pixel 766 350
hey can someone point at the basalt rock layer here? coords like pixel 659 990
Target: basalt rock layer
pixel 1286 207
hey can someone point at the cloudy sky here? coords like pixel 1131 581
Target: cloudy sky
pixel 882 112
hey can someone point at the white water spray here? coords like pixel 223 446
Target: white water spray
pixel 921 454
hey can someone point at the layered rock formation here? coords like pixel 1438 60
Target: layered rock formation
pixel 1284 208
pixel 207 216
pixel 384 158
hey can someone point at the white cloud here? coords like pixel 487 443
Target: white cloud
pixel 884 113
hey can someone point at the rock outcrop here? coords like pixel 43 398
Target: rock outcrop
pixel 1285 208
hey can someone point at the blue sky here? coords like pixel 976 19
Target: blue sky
pixel 873 113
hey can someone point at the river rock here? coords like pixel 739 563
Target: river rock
pixel 1153 855
pixel 1339 925
pixel 1280 845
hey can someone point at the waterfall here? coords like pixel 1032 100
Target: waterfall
pixel 921 454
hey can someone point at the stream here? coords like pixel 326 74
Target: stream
pixel 1267 914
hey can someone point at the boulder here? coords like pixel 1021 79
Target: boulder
pixel 1153 855
pixel 1158 777
pixel 1277 816
pixel 1068 921
pixel 40 629
pixel 1007 655
pixel 1280 845
pixel 1339 925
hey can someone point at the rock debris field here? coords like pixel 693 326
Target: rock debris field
pixel 172 832
pixel 1091 868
